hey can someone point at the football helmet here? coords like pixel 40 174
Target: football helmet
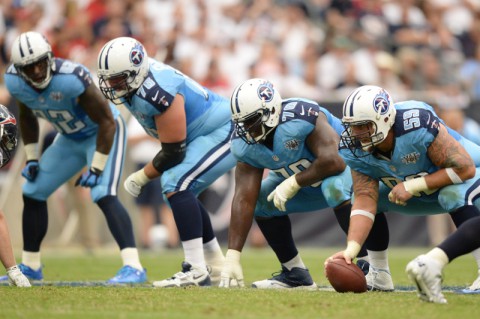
pixel 256 107
pixel 8 135
pixel 122 68
pixel 372 107
pixel 33 59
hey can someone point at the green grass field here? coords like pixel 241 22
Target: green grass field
pixel 97 301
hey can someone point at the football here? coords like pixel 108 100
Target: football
pixel 344 277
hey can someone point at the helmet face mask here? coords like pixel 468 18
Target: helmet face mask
pixel 368 115
pixel 8 135
pixel 33 59
pixel 256 107
pixel 122 68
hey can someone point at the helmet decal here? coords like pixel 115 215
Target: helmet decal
pixel 381 102
pixel 265 91
pixel 136 55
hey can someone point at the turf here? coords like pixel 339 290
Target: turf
pixel 74 288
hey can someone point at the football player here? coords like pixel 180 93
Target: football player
pixel 91 132
pixel 8 142
pixel 297 141
pixel 424 167
pixel 193 125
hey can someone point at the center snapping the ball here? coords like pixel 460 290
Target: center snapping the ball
pixel 344 277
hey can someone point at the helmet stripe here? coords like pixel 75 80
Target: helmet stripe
pixel 235 98
pixel 20 47
pixel 106 57
pixel 29 46
pixel 350 106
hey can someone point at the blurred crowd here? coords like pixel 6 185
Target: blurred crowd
pixel 319 49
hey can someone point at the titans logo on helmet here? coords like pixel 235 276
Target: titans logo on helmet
pixel 136 55
pixel 381 103
pixel 265 91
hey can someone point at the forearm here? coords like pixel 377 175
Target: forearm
pixel 240 224
pixel 319 170
pixel 105 137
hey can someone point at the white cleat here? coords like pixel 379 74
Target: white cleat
pixel 473 289
pixel 189 276
pixel 426 274
pixel 379 280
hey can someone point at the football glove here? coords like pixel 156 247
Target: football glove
pixel 135 182
pixel 91 178
pixel 30 171
pixel 17 278
pixel 232 273
pixel 283 192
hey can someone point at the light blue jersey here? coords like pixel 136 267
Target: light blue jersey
pixel 290 155
pixel 74 146
pixel 416 126
pixel 209 128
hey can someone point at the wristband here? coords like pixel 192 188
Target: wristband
pixel 140 177
pixel 233 254
pixel 453 176
pixel 363 213
pixel 353 248
pixel 99 161
pixel 31 151
pixel 416 185
pixel 293 182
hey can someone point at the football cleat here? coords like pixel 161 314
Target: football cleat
pixel 426 274
pixel 379 280
pixel 28 272
pixel 363 265
pixel 473 289
pixel 189 276
pixel 129 275
pixel 297 278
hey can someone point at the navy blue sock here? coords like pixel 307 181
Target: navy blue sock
pixel 464 240
pixel 208 233
pixel 118 221
pixel 463 214
pixel 278 233
pixel 187 215
pixel 379 236
pixel 34 223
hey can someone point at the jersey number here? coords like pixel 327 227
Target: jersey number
pixel 296 167
pixel 391 182
pixel 63 121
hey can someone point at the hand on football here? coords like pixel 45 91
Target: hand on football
pixel 232 273
pixel 283 192
pixel 30 171
pixel 89 179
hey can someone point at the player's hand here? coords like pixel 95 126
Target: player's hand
pixel 283 192
pixel 17 278
pixel 90 178
pixel 232 273
pixel 30 171
pixel 339 255
pixel 399 195
pixel 132 186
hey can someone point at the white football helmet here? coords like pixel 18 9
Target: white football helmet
pixel 33 58
pixel 367 104
pixel 8 135
pixel 122 68
pixel 256 107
